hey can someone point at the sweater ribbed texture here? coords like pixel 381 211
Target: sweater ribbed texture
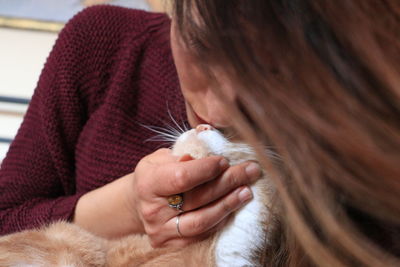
pixel 110 71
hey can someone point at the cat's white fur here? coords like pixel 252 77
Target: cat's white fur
pixel 238 241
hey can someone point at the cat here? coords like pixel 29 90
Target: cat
pixel 241 242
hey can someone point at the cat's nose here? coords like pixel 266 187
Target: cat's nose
pixel 203 127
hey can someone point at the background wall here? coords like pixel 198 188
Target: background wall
pixel 22 55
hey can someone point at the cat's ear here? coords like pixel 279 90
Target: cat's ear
pixel 185 157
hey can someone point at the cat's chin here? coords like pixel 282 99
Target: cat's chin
pixel 200 142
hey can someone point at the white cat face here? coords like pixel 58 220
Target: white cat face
pixel 200 142
pixel 205 141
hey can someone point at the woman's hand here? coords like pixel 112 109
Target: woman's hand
pixel 137 202
pixel 211 189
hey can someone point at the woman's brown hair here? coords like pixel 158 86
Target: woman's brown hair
pixel 319 82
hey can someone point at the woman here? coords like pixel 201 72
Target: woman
pixel 314 80
pixel 110 72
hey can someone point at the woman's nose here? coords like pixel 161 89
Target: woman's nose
pixel 203 127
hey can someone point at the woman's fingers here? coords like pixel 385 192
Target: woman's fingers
pixel 178 241
pixel 206 193
pixel 184 176
pixel 197 222
pixel 235 176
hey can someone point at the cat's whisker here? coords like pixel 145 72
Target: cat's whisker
pixel 273 155
pixel 231 136
pixel 270 152
pixel 159 139
pixel 170 131
pixel 185 126
pixel 161 131
pixel 166 135
pixel 173 120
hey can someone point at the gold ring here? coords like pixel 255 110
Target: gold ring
pixel 176 202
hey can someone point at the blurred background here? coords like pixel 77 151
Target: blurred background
pixel 28 30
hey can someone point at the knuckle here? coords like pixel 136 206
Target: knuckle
pixel 141 189
pixel 232 179
pixel 180 179
pixel 149 214
pixel 155 236
pixel 155 243
pixel 199 225
pixel 241 174
pixel 152 232
pixel 213 193
pixel 226 206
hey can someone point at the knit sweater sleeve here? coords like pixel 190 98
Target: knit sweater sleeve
pixel 37 183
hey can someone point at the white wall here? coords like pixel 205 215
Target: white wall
pixel 22 56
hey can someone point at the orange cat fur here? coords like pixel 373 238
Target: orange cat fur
pixel 65 244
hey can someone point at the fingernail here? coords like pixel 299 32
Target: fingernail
pixel 224 163
pixel 253 170
pixel 245 195
pixel 185 157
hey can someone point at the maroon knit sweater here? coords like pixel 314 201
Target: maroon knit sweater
pixel 110 71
